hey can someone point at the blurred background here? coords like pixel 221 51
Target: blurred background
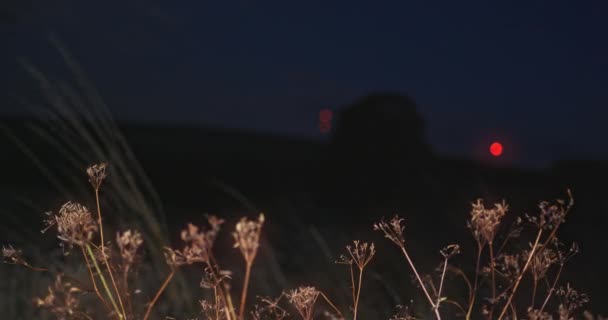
pixel 326 116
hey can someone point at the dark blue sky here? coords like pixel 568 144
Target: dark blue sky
pixel 531 73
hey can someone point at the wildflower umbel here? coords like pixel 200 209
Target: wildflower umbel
pixel 247 236
pixel 129 242
pixel 62 299
pixel 361 253
pixel 393 230
pixel 75 225
pixel 197 249
pixel 97 174
pixel 485 221
pixel 304 299
pixel 269 310
pixel 11 255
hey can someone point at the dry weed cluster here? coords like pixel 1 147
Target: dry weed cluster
pixel 504 283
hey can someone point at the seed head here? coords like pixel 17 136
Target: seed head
pixel 62 299
pixel 247 237
pixel 304 299
pixel 361 253
pixel 198 244
pixel 450 251
pixel 570 301
pixel 393 230
pixel 75 224
pixel 129 242
pixel 541 261
pixel 485 221
pixel 97 173
pixel 11 255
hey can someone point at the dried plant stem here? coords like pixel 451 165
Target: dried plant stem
pixel 356 301
pixel 428 296
pixel 104 282
pixel 245 287
pixel 125 279
pixel 159 293
pixel 521 275
pixel 534 293
pixel 86 259
pixel 352 281
pixel 217 303
pixel 445 267
pixel 230 314
pixel 492 271
pixel 223 292
pixel 473 294
pixel 331 304
pixel 103 254
pixel 552 289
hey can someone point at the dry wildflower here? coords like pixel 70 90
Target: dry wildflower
pixel 198 247
pixel 270 310
pixel 541 261
pixel 128 243
pixel 75 225
pixel 11 255
pixel 212 311
pixel 211 280
pixel 304 299
pixel 552 214
pixel 62 299
pixel 570 302
pixel 564 255
pixel 450 251
pixel 361 253
pixel 97 174
pixel 247 237
pixel 403 313
pixel 392 230
pixel 485 221
pixel 508 266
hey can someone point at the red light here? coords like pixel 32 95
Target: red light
pixel 325 115
pixel 496 149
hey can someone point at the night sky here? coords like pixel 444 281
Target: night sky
pixel 532 74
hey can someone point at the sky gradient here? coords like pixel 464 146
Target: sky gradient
pixel 532 74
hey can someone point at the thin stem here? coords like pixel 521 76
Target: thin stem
pixel 493 279
pixel 103 253
pixel 125 276
pixel 513 311
pixel 445 266
pixel 103 282
pixel 473 294
pixel 244 293
pixel 356 306
pixel 352 281
pixel 217 302
pixel 86 259
pixel 534 293
pixel 229 306
pixel 331 304
pixel 428 296
pixel 158 293
pixel 559 272
pixel 521 275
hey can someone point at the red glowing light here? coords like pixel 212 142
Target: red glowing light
pixel 325 115
pixel 496 149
